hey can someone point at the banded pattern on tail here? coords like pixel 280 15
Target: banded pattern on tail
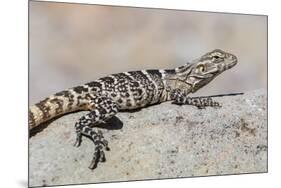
pixel 58 104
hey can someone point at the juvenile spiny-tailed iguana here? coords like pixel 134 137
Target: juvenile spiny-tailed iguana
pixel 104 97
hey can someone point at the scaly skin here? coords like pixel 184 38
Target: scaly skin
pixel 104 97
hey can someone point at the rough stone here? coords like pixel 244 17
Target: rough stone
pixel 161 141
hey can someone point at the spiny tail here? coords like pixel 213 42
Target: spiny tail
pixel 51 107
pixel 45 110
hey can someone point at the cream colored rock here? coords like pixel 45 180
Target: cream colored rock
pixel 161 141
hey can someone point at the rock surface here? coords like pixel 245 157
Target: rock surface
pixel 161 141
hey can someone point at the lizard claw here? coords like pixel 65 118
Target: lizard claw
pixel 78 140
pixel 99 156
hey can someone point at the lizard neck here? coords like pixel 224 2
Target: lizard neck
pixel 176 79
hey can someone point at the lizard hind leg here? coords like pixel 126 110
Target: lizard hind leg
pixel 100 145
pixel 101 109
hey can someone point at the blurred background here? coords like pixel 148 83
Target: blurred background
pixel 71 44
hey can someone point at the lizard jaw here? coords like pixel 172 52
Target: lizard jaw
pixel 230 62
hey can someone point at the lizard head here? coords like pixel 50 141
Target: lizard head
pixel 203 70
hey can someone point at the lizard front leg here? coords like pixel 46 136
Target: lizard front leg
pixel 101 109
pixel 180 97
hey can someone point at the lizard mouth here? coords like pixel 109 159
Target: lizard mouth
pixel 231 62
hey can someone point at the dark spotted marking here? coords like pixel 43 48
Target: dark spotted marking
pixel 65 93
pixel 139 75
pixel 154 72
pixel 107 80
pixel 80 89
pixel 128 102
pixel 170 71
pixel 102 110
pixel 59 102
pixel 94 85
pixel 139 91
pixel 99 100
pixel 43 108
pixel 79 98
pixel 120 100
pixel 134 84
pixel 122 81
pixel 124 94
pixel 68 95
pixel 70 101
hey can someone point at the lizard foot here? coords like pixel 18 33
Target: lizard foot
pixel 180 98
pixel 100 145
pixel 203 102
pixel 97 137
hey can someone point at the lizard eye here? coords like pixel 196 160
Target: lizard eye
pixel 201 68
pixel 216 57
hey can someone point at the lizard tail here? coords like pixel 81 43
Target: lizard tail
pixel 51 107
pixel 44 111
